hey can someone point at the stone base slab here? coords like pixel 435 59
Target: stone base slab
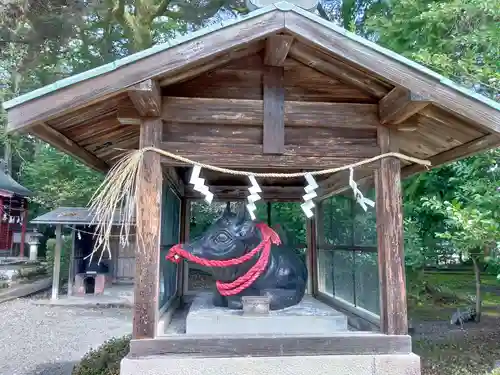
pixel 309 317
pixel 389 364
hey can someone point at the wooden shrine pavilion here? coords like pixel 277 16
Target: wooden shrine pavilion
pixel 13 214
pixel 277 90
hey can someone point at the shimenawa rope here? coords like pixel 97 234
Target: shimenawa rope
pixel 117 193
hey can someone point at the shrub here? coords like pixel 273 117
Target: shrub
pixel 65 255
pixel 105 360
pixel 31 272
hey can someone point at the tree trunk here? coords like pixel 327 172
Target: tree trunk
pixel 477 274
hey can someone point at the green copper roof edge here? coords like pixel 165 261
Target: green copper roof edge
pixel 92 73
pixel 395 56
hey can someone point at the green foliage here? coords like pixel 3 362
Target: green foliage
pixel 287 215
pixel 58 179
pixel 470 229
pixel 65 256
pixel 105 360
pixel 458 38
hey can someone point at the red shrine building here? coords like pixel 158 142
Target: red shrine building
pixel 13 215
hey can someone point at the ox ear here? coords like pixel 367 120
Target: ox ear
pixel 227 211
pixel 242 214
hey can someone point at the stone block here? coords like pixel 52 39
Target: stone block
pixel 309 317
pixel 292 365
pixel 397 364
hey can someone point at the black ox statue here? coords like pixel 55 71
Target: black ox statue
pixel 282 275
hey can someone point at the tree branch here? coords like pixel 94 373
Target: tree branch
pixel 160 9
pixel 118 10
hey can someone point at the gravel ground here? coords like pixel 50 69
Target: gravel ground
pixel 46 340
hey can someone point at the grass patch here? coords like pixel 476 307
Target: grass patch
pixel 459 280
pixel 437 294
pixel 445 350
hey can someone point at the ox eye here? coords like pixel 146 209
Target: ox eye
pixel 221 237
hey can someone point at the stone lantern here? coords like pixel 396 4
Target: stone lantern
pixel 33 242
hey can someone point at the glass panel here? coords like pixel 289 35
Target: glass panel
pixel 289 222
pixel 290 218
pixel 343 275
pixel 325 272
pixel 365 223
pixel 367 282
pixel 170 235
pixel 337 221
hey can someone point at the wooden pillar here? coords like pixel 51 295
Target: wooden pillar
pixel 148 233
pixel 57 263
pixel 23 227
pixel 71 267
pixel 312 279
pixel 186 221
pixel 393 309
pixel 320 270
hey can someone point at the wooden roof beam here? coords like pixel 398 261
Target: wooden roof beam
pixel 281 193
pixel 277 47
pixel 127 114
pixel 146 97
pixel 399 105
pixel 471 148
pixel 250 112
pixel 252 156
pixel 339 182
pixel 60 141
pixel 481 144
pixel 198 69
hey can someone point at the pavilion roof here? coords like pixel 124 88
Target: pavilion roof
pixel 83 115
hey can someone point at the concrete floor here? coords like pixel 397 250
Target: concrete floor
pixel 49 340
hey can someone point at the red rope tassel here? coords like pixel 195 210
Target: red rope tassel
pixel 269 236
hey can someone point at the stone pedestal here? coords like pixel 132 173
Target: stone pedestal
pixel 33 251
pixel 389 364
pixel 308 317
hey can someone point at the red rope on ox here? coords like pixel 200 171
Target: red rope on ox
pixel 269 236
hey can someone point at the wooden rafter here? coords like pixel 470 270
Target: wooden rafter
pixel 337 69
pixel 277 47
pixel 399 105
pixel 59 140
pixel 484 143
pixel 128 114
pixel 226 58
pixel 146 97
